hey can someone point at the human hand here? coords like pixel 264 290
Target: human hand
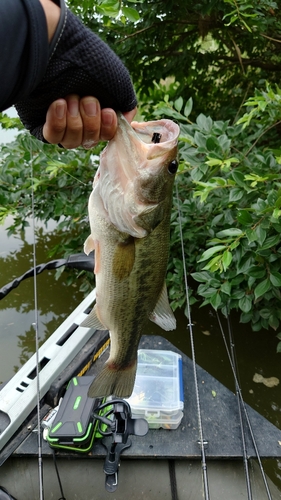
pixel 74 122
pixel 81 64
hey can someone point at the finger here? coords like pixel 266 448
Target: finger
pixel 108 124
pixel 74 126
pixel 129 115
pixel 91 117
pixel 54 127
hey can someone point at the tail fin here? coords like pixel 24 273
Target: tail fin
pixel 115 382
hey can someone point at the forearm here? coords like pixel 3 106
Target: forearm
pixel 24 48
pixel 52 13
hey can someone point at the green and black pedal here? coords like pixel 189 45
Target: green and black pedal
pixel 74 427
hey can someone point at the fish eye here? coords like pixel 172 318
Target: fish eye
pixel 173 166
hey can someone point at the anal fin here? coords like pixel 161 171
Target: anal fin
pixel 92 320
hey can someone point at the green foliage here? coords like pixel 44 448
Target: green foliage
pixel 231 214
pixel 214 67
pixel 219 51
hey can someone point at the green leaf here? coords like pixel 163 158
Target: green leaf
pixel 270 242
pixel 226 288
pixel 232 231
pixel 188 107
pixel 131 14
pixel 256 272
pixel 213 161
pixel 262 288
pixel 261 234
pixel 236 194
pixel 204 122
pixel 251 235
pixel 226 259
pixel 215 300
pixel 202 277
pixel 245 304
pixel 178 104
pixel 273 322
pixel 213 264
pixel 244 217
pixel 278 349
pixel 212 145
pixel 275 278
pixel 211 251
pixel 200 140
pixel 246 317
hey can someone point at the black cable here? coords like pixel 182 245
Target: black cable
pixel 58 476
pixel 77 261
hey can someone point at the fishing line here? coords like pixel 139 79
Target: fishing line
pixel 242 428
pixel 202 442
pixel 35 324
pixel 241 401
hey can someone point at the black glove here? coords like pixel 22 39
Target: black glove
pixel 80 63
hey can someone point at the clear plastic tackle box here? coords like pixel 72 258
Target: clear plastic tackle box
pixel 158 389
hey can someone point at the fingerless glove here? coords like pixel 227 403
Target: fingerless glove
pixel 80 63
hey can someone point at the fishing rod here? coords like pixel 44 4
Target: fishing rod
pixel 202 442
pixel 39 436
pixel 242 403
pixel 244 448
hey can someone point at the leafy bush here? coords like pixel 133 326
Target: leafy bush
pixel 230 201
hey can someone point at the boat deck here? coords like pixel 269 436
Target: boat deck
pixel 164 463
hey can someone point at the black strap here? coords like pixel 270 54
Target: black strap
pixel 173 479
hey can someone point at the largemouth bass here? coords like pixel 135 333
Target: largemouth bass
pixel 129 212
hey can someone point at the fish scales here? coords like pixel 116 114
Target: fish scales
pixel 129 212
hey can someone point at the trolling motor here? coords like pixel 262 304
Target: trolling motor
pixel 121 426
pixel 77 261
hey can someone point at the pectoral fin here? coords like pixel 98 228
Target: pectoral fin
pixel 89 245
pixel 92 321
pixel 163 315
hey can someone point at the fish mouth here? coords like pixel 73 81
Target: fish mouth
pixel 166 132
pixel 130 170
